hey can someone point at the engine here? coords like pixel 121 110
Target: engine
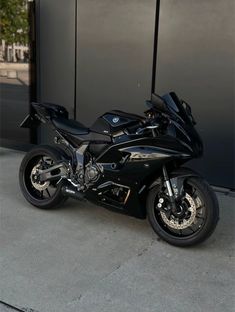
pixel 92 172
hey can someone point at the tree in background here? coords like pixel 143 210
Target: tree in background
pixel 14 22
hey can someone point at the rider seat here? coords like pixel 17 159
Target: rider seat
pixel 70 125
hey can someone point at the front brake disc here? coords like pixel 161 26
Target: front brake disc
pixel 184 223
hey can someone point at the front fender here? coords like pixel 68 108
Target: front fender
pixel 183 171
pixel 177 177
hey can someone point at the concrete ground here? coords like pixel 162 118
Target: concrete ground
pixel 84 258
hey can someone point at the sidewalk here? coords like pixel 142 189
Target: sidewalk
pixel 83 258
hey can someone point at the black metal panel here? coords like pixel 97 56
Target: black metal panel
pixel 196 50
pixel 57 55
pixel 57 47
pixel 114 56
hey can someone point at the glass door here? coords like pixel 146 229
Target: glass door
pixel 15 81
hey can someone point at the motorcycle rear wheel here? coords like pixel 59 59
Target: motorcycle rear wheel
pixel 203 214
pixel 42 195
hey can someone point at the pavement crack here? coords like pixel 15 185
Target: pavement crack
pixel 145 249
pixel 117 267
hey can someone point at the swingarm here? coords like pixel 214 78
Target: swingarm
pixel 59 170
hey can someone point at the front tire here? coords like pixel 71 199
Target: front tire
pixel 47 195
pixel 205 214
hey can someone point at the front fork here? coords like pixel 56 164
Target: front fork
pixel 170 191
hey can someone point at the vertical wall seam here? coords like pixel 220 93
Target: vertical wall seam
pixel 35 72
pixel 75 62
pixel 38 50
pixel 155 45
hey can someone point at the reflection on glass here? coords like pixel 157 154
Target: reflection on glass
pixel 14 68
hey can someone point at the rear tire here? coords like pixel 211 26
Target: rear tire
pixel 32 195
pixel 211 216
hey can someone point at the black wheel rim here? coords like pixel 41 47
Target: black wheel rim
pixel 40 192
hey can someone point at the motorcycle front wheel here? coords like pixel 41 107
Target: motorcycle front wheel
pixel 197 217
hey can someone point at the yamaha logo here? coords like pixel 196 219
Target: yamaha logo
pixel 115 120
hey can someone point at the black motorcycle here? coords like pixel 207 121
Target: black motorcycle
pixel 128 163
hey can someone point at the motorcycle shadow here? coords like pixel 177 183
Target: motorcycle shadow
pixel 93 214
pixel 222 239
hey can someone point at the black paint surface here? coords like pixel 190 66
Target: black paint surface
pixel 196 58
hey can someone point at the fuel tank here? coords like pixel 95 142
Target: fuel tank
pixel 111 124
pixel 114 121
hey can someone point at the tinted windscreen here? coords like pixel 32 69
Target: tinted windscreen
pixel 175 107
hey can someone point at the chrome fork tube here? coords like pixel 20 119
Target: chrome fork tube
pixel 167 181
pixel 169 189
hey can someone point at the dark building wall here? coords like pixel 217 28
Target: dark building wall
pixel 114 56
pixel 111 44
pixel 57 52
pixel 56 55
pixel 196 58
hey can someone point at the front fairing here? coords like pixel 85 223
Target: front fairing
pixel 182 124
pixel 187 136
